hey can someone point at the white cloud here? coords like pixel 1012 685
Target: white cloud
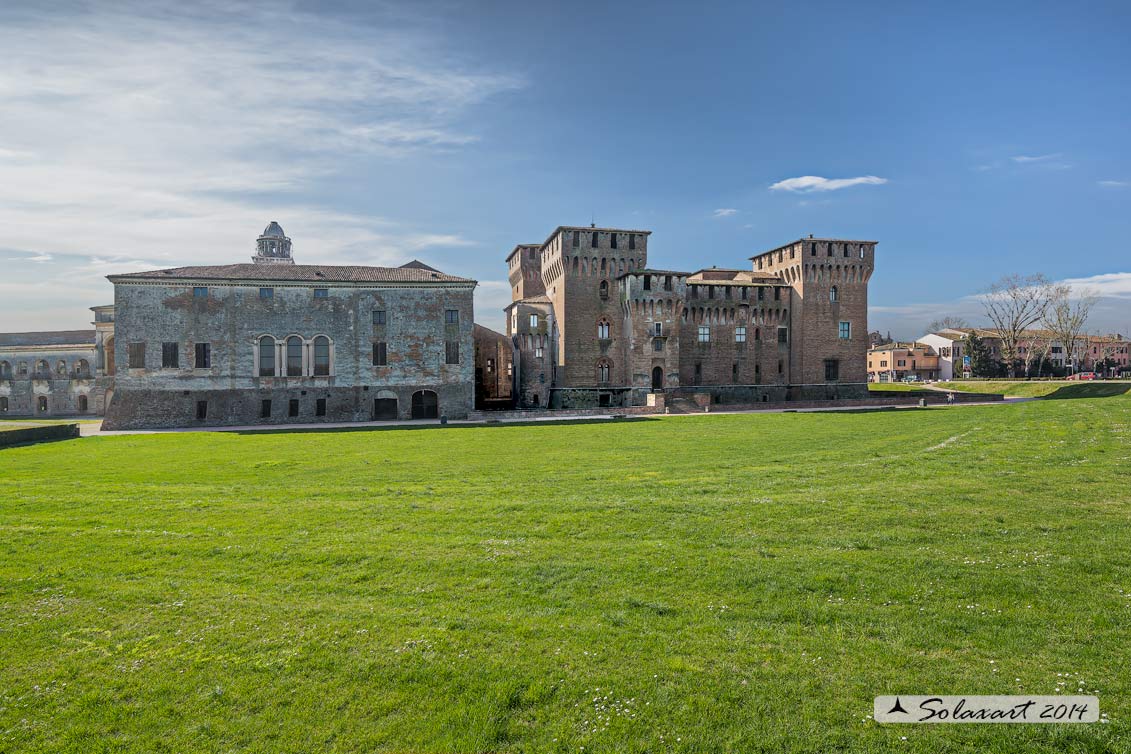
pixel 172 133
pixel 1023 159
pixel 1114 184
pixel 727 212
pixel 806 184
pixel 1108 285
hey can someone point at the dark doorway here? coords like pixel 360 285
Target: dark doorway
pixel 384 409
pixel 604 399
pixel 425 405
pixel 657 378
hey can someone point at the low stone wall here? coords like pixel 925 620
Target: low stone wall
pixel 46 433
pixel 932 398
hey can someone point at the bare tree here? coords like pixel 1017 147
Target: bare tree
pixel 1035 347
pixel 947 323
pixel 1066 317
pixel 1014 304
pixel 1106 346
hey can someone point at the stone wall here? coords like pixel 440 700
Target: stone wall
pixel 28 435
pixel 232 319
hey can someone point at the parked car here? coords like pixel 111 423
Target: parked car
pixel 1082 376
pixel 912 378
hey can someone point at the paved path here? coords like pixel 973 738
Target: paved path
pixel 93 429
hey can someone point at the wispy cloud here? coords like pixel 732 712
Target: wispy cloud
pixel 1111 284
pixel 172 132
pixel 807 184
pixel 727 212
pixel 1114 184
pixel 1025 159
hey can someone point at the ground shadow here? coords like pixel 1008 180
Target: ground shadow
pixel 1089 390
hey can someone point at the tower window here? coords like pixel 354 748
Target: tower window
pixel 136 355
pixel 451 316
pixel 658 329
pixel 451 352
pixel 844 330
pixel 647 282
pixel 631 241
pixel 832 370
pixel 813 250
pixel 380 354
pixel 783 335
pixel 657 344
pixel 833 295
pixel 612 240
pixel 603 330
pixel 379 317
pixel 593 241
pixel 740 334
pixel 604 288
pixel 576 238
pixel 534 321
pixel 704 333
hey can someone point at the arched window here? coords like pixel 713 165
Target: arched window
pixel 22 369
pixel 42 369
pixel 603 329
pixel 266 356
pixel 82 403
pixel 82 368
pixel 603 369
pixel 61 368
pixel 321 356
pixel 294 356
pixel 5 370
pixel 604 289
pixel 833 296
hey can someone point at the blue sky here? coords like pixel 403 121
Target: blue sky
pixel 970 139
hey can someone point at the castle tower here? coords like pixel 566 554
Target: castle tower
pixel 273 246
pixel 828 333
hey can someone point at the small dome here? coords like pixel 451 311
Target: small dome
pixel 274 231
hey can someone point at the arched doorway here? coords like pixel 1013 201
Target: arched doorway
pixel 657 378
pixel 425 405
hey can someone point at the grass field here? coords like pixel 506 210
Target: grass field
pixel 1043 389
pixel 893 387
pixel 687 584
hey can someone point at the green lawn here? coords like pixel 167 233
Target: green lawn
pixel 688 584
pixel 1043 389
pixel 893 387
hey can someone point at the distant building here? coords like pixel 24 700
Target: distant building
pixel 48 374
pixel 277 342
pixel 1040 352
pixel 876 338
pixel 594 325
pixel 893 362
pixel 494 369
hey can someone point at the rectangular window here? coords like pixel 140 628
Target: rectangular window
pixel 170 356
pixel 320 407
pixel 704 334
pixel 292 407
pixel 783 335
pixel 612 240
pixel 577 238
pixel 657 345
pixel 451 316
pixel 379 317
pixel 698 372
pixel 658 329
pixel 321 292
pixel 845 330
pixel 740 334
pixel 734 373
pixel 136 353
pixel 380 354
pixel 538 352
pixel 781 366
pixel 761 294
pixel 201 410
pixel 534 321
pixel 266 293
pixel 632 242
pixel 901 363
pixel 264 409
pixel 647 282
pixel 777 293
pixel 267 357
pixel 832 370
pixel 451 352
pixel 200 292
pixel 203 356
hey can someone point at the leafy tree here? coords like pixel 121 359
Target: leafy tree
pixel 982 363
